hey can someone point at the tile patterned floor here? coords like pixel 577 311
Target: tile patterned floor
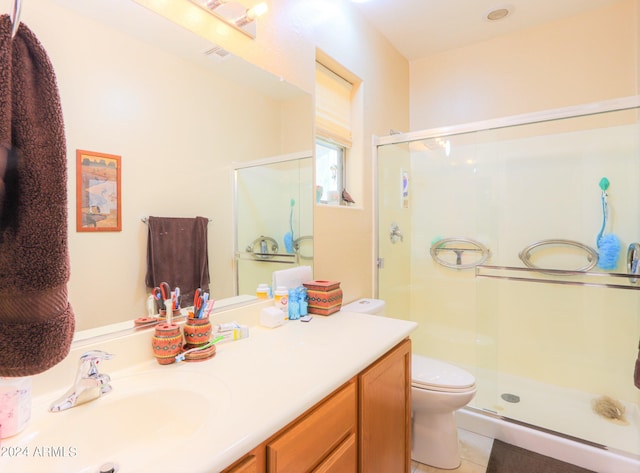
pixel 474 451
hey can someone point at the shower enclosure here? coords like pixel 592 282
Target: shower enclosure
pixel 487 237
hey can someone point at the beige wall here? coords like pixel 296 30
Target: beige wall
pixel 590 57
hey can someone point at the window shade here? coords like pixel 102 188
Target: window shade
pixel 333 106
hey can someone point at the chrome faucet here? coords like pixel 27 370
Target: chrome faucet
pixel 89 384
pixel 395 234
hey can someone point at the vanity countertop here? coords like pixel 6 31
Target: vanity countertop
pixel 263 382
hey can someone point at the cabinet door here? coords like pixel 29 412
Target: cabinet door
pixel 343 459
pixel 385 413
pixel 309 441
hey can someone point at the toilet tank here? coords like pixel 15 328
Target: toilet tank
pixel 366 306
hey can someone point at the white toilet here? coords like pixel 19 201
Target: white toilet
pixel 438 390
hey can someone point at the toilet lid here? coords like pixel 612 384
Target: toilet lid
pixel 437 375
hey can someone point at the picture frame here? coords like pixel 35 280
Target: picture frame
pixel 98 192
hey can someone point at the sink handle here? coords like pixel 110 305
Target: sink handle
pixel 89 362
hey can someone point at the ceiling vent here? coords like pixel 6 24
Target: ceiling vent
pixel 218 53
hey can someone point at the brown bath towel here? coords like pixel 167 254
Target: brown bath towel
pixel 177 254
pixel 36 320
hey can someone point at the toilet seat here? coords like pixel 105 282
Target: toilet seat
pixel 435 375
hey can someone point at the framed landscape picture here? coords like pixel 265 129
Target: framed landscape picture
pixel 98 192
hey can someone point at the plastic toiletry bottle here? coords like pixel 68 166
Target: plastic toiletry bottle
pixel 15 405
pixel 263 291
pixel 303 300
pixel 281 300
pixel 294 305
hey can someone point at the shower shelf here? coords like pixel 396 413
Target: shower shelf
pixel 513 273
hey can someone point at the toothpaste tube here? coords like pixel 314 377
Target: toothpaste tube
pixel 232 331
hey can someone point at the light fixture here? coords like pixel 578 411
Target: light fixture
pixel 213 4
pixel 234 14
pixel 251 14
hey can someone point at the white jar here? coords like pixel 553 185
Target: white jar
pixel 263 291
pixel 281 300
pixel 15 405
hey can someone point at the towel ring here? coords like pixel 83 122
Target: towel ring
pixel 459 250
pixel 297 243
pixel 15 17
pixel 267 248
pixel 592 255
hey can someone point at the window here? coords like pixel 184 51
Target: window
pixel 333 133
pixel 329 171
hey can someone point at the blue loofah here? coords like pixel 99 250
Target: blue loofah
pixel 288 237
pixel 288 242
pixel 608 251
pixel 608 245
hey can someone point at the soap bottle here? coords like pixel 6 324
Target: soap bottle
pixel 263 291
pixel 281 300
pixel 15 405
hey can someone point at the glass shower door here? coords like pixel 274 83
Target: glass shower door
pixel 394 229
pixel 548 341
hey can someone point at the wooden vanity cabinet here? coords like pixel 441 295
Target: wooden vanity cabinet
pixel 385 413
pixel 364 426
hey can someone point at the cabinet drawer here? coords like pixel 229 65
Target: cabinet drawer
pixel 248 465
pixel 305 444
pixel 343 459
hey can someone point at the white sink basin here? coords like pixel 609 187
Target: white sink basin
pixel 143 420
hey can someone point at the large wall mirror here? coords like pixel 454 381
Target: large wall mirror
pixel 135 85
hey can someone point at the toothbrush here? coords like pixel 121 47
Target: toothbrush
pixel 205 300
pixel 209 307
pixel 181 357
pixel 176 298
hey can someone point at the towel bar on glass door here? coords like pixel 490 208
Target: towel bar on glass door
pixel 265 249
pixel 485 271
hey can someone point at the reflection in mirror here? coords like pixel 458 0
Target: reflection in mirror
pixel 135 85
pixel 274 218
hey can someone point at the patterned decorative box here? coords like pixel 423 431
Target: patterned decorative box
pixel 325 297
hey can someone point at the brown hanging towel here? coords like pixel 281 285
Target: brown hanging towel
pixel 36 319
pixel 177 253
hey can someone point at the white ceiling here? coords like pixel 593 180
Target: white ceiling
pixel 419 28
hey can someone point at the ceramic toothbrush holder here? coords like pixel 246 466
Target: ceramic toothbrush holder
pixel 166 343
pixel 197 332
